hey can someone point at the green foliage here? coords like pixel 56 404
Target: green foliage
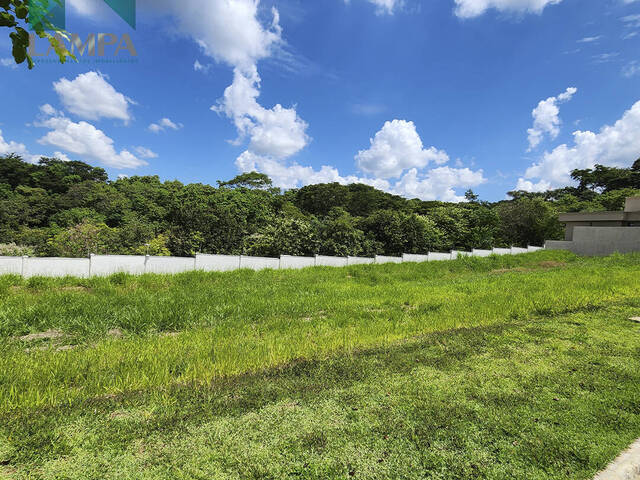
pixel 17 14
pixel 248 180
pixel 46 204
pixel 13 250
pixel 157 247
pixel 529 220
pixel 83 240
pixel 338 235
pixel 284 236
pixel 607 179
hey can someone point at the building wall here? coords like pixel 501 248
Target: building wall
pixel 600 241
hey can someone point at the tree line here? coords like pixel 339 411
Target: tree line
pixel 58 208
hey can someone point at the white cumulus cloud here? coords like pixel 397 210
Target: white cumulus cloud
pixel 164 124
pixel 384 6
pixel 396 148
pixel 144 152
pixel 278 132
pixel 546 118
pixel 85 141
pixel 386 162
pixel 8 147
pixel 614 145
pixel 475 8
pixel 438 183
pixel 91 97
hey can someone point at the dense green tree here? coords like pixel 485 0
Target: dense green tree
pixel 284 236
pixel 59 207
pixel 529 221
pixel 252 180
pixel 607 179
pixel 338 235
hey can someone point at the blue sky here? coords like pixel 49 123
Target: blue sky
pixel 423 98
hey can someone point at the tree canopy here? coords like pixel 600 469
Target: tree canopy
pixel 58 208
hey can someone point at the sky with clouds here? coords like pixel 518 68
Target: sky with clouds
pixel 422 98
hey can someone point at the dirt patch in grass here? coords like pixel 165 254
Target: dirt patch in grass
pixel 540 266
pixel 552 264
pixel 76 288
pixel 48 335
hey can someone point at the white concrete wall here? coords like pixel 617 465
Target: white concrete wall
pixel 360 261
pixel 217 263
pixel 56 267
pixel 293 262
pixel 323 261
pixel 170 265
pixel 105 265
pixel 502 251
pixel 383 259
pixel 518 250
pixel 534 249
pixel 259 263
pixel 408 257
pixel 10 265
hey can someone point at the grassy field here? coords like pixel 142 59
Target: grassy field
pixel 507 367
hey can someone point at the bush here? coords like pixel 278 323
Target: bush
pixel 13 250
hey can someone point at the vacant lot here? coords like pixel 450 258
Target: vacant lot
pixel 511 367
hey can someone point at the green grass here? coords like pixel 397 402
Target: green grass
pixel 507 367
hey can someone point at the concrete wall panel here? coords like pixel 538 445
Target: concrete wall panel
pixel 10 265
pixel 458 253
pixel 360 261
pixel 384 259
pixel 439 257
pixel 323 261
pixel 105 265
pixel 558 245
pixel 217 263
pixel 534 249
pixel 293 262
pixel 411 258
pixel 518 250
pixel 259 263
pixel 56 267
pixel 169 265
pixel 481 253
pixel 502 251
pixel 600 241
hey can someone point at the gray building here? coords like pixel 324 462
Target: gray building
pixel 601 233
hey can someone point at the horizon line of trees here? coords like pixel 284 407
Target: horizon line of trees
pixel 58 208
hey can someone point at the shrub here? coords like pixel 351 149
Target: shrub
pixel 13 250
